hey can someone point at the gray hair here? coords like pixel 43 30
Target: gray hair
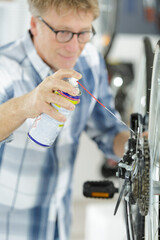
pixel 40 7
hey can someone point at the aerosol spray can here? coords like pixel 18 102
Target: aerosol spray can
pixel 45 128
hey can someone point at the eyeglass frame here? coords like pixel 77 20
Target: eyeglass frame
pixel 73 33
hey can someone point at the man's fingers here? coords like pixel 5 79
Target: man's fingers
pixel 46 93
pixel 53 112
pixel 56 81
pixel 60 101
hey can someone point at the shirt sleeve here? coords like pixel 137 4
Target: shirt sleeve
pixel 6 81
pixel 6 92
pixel 6 140
pixel 102 126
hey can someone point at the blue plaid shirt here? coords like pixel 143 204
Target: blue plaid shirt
pixel 36 182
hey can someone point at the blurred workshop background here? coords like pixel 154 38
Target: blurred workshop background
pixel 121 29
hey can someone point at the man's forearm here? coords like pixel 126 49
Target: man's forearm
pixel 119 143
pixel 12 115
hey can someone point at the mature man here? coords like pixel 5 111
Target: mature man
pixel 36 182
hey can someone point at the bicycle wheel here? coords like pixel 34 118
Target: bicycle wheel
pixel 139 218
pixel 152 220
pixel 134 214
pixel 105 26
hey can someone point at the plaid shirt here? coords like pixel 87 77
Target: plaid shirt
pixel 36 182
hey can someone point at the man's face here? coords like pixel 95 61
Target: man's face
pixel 60 55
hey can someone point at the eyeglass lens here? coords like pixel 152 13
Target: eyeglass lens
pixel 64 36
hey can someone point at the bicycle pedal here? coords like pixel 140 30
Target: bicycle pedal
pixel 99 189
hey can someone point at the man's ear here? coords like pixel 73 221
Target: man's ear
pixel 33 24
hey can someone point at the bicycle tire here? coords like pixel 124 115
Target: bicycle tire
pixel 152 229
pixel 149 63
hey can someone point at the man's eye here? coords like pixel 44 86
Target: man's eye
pixel 64 32
pixel 82 33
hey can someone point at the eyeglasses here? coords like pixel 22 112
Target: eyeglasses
pixel 64 36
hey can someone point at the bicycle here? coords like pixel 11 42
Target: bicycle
pixel 139 167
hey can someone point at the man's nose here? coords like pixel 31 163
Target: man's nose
pixel 73 44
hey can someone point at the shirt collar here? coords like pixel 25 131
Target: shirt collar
pixel 41 67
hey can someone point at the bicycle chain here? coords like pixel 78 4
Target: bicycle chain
pixel 142 183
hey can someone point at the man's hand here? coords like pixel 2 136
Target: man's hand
pixel 39 100
pixel 14 112
pixel 119 143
